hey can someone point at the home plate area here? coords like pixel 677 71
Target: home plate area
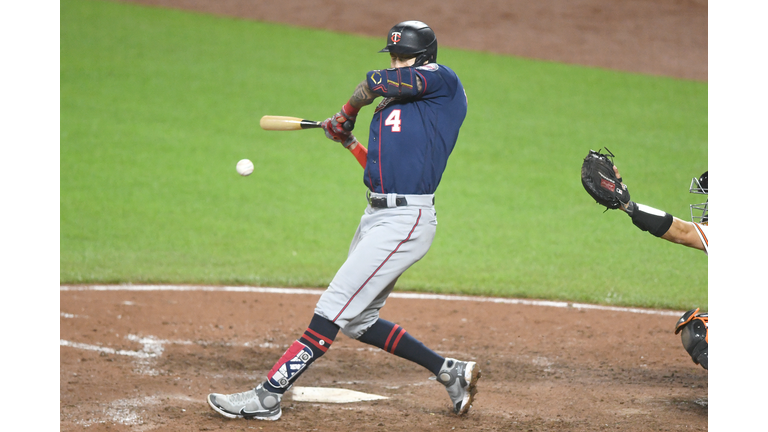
pixel 143 358
pixel 330 395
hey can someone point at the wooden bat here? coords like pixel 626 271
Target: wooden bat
pixel 282 123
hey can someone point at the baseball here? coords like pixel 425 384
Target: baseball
pixel 245 167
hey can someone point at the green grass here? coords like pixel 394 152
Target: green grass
pixel 157 107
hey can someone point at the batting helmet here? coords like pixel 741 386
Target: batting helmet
pixel 412 38
pixel 700 212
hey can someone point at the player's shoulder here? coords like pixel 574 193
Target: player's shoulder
pixel 442 72
pixel 429 67
pixel 436 67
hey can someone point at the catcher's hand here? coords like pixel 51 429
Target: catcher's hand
pixel 602 182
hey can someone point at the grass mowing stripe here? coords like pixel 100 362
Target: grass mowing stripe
pixel 158 105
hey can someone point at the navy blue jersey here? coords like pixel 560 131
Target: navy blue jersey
pixel 412 134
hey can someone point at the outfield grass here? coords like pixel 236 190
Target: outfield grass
pixel 157 107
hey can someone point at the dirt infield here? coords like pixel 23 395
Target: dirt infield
pixel 145 360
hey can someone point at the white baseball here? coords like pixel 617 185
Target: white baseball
pixel 245 167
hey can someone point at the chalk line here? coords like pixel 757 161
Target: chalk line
pixel 415 296
pixel 106 350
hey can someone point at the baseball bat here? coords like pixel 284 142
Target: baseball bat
pixel 283 123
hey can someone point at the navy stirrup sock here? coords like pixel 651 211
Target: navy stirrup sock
pixel 311 345
pixel 395 340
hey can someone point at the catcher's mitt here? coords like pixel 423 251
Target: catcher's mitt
pixel 601 182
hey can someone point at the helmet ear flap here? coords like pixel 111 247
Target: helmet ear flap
pixel 412 39
pixel 427 57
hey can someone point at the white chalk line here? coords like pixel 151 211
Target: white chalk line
pixel 128 411
pixel 416 296
pixel 107 350
pixel 152 346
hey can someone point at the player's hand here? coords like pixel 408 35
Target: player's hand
pixel 350 143
pixel 624 205
pixel 343 121
pixel 618 176
pixel 334 133
pixel 345 138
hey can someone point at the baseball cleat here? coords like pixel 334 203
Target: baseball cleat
pixel 257 404
pixel 460 379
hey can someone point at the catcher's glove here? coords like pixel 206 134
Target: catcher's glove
pixel 600 180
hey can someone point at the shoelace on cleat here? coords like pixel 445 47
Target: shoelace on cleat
pixel 240 398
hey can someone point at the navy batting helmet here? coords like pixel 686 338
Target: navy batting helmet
pixel 412 38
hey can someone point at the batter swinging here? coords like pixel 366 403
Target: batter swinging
pixel 412 134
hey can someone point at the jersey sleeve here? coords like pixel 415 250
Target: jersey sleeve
pixel 701 230
pixel 395 83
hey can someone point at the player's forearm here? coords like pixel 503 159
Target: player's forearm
pixel 654 221
pixel 682 232
pixel 362 96
pixel 663 225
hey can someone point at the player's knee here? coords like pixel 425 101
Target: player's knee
pixel 358 326
pixel 694 333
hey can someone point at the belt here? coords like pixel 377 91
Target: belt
pixel 377 200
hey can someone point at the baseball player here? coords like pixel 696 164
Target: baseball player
pixel 693 325
pixel 413 131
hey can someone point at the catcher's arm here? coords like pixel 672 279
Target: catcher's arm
pixel 662 224
pixel 684 233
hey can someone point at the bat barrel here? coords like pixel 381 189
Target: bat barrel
pixel 283 123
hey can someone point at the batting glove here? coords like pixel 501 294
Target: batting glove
pixel 345 138
pixel 344 120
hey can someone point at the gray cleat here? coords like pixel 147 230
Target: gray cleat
pixel 257 403
pixel 460 379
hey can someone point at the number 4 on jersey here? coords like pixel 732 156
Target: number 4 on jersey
pixel 393 120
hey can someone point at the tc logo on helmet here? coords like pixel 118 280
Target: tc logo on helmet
pixel 395 38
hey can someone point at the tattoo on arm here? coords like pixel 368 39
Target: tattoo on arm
pixel 362 96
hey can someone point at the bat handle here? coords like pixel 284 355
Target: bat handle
pixel 309 124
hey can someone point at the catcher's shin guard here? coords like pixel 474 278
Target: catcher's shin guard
pixel 649 219
pixel 695 336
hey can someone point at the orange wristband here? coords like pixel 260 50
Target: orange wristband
pixel 360 153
